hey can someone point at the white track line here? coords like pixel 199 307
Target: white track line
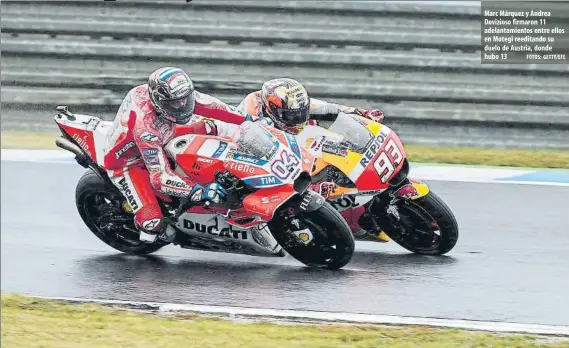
pixel 490 181
pixel 423 172
pixel 293 315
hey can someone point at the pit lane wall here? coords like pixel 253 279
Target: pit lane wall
pixel 419 61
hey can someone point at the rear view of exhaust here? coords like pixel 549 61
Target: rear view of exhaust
pixel 69 146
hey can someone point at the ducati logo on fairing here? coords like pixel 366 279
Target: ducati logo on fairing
pixel 373 148
pixel 205 160
pixel 128 194
pixel 175 183
pixel 214 229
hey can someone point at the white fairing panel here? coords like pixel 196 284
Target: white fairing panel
pixel 257 146
pixel 312 138
pixel 84 122
pixel 94 124
pixel 213 148
pixel 178 145
pixel 101 143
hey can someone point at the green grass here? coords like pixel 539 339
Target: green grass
pixel 416 153
pixel 29 322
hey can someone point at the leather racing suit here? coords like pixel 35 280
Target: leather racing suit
pixel 135 160
pixel 253 105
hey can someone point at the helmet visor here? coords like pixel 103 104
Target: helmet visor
pixel 179 108
pixel 294 117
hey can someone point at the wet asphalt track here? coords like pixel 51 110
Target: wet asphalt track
pixel 511 262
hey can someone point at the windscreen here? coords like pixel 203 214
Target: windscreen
pixel 254 140
pixel 355 134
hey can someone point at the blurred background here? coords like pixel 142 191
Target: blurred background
pixel 418 61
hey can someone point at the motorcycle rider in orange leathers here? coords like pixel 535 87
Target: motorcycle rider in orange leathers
pixel 274 104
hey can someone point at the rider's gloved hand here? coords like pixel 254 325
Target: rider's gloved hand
pixel 324 188
pixel 374 114
pixel 213 193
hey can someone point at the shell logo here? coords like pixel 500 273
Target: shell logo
pixel 127 207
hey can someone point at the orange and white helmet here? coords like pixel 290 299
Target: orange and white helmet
pixel 286 102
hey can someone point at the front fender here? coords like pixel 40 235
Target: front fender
pixel 414 190
pixel 308 201
pixel 421 187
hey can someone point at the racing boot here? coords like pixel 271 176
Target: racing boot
pixel 352 216
pixel 167 235
pixel 363 226
pixel 151 225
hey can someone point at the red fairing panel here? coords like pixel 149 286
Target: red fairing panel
pixel 307 160
pixel 385 164
pixel 265 202
pixel 200 169
pixel 244 170
pixel 84 138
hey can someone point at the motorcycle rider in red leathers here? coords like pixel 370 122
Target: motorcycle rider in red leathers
pixel 273 103
pixel 149 116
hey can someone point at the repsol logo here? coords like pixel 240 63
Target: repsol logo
pixel 346 202
pixel 124 149
pixel 373 148
pixel 213 229
pixel 128 194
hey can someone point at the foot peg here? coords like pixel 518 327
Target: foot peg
pixel 168 235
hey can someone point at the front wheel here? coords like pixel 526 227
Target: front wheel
pixel 427 225
pixel 330 243
pixel 100 207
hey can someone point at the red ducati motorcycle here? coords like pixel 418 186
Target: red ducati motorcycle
pixel 269 208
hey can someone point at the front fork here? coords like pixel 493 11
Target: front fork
pixel 387 203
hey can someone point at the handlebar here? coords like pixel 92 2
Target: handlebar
pixel 222 178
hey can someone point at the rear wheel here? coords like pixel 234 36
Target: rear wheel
pixel 101 209
pixel 332 244
pixel 428 226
